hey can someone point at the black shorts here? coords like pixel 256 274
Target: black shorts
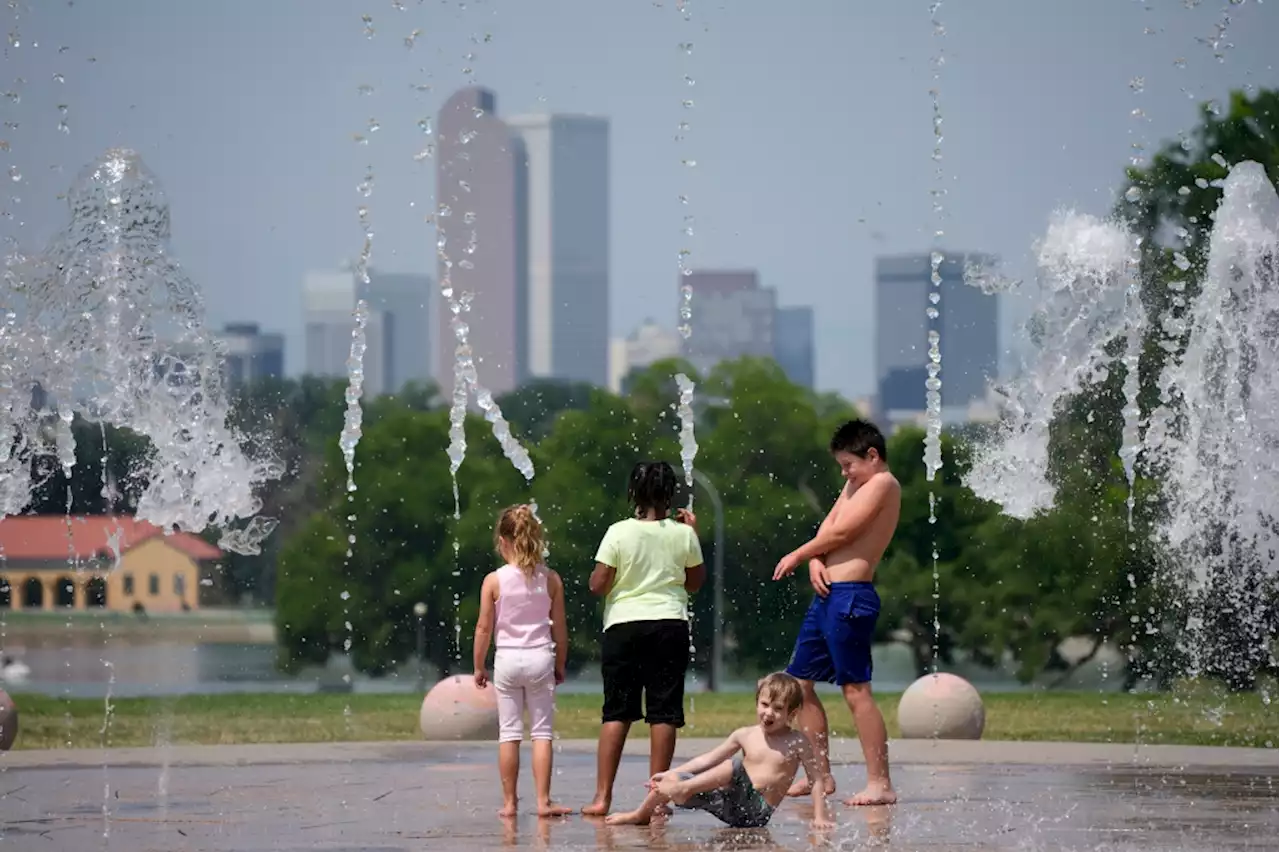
pixel 650 657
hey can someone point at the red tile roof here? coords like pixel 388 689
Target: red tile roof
pixel 58 537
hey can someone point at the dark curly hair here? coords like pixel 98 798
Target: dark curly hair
pixel 652 486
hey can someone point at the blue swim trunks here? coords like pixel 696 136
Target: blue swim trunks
pixel 834 645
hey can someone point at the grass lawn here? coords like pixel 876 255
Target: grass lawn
pixel 1202 718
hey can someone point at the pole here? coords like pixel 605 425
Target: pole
pixel 715 681
pixel 420 610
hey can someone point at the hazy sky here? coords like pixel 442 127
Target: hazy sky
pixel 811 128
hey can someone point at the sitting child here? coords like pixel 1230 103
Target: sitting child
pixel 743 791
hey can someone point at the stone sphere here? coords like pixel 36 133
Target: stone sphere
pixel 941 706
pixel 8 721
pixel 455 709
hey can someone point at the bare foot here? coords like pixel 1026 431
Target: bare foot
pixel 551 809
pixel 875 793
pixel 509 809
pixel 598 807
pixel 804 787
pixel 630 818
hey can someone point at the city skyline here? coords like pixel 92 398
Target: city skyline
pixel 264 185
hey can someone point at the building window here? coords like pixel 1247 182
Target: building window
pixel 153 585
pixel 128 584
pixel 179 584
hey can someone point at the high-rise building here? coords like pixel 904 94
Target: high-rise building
pixel 648 343
pixel 249 355
pixel 968 330
pixel 481 203
pixel 397 334
pixel 733 317
pixel 568 245
pixel 329 302
pixel 793 344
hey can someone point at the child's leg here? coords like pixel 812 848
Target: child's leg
pixel 622 663
pixel 540 697
pixel 642 814
pixel 511 699
pixel 676 787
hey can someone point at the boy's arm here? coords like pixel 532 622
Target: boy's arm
pixel 716 756
pixel 863 507
pixel 817 563
pixel 559 626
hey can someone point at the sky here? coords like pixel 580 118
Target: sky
pixel 811 127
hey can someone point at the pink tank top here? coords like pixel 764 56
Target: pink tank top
pixel 524 609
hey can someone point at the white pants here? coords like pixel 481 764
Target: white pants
pixel 525 677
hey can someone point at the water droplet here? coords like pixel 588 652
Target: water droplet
pixel 368 25
pixel 374 126
pixel 425 154
pixel 1202 183
pixel 364 89
pixel 58 78
pixel 689 163
pixel 687 104
pixel 931 312
pixel 688 81
pixel 687 47
pixel 1220 160
pixel 411 38
pixel 424 124
pixel 1137 85
pixel 14 174
pixel 1180 261
pixel 1133 194
pixel 1180 63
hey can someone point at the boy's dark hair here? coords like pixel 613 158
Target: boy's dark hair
pixel 652 486
pixel 858 437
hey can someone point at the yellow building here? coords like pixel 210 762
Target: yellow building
pixel 113 562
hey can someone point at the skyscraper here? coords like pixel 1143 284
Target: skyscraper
pixel 793 344
pixel 568 245
pixel 329 301
pixel 968 329
pixel 249 355
pixel 481 202
pixel 733 316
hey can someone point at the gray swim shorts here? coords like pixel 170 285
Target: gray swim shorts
pixel 739 805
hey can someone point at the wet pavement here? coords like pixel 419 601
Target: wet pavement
pixel 412 796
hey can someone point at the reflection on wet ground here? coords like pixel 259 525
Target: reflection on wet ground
pixel 377 805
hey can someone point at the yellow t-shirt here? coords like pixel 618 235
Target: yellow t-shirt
pixel 650 558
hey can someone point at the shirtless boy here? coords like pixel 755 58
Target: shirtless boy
pixel 743 790
pixel 834 644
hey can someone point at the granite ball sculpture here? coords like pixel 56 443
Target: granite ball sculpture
pixel 8 721
pixel 941 706
pixel 456 709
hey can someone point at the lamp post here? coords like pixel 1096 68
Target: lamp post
pixel 420 610
pixel 716 679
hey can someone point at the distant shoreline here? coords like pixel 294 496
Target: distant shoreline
pixel 233 626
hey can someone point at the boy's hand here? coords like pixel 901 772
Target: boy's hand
pixel 818 577
pixel 786 567
pixel 482 678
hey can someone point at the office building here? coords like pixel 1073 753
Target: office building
pixel 968 325
pixel 733 317
pixel 250 355
pixel 644 346
pixel 793 344
pixel 567 216
pixel 397 333
pixel 481 204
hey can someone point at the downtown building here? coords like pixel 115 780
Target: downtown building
pixel 522 218
pixel 734 317
pixel 969 337
pixel 249 355
pixel 397 332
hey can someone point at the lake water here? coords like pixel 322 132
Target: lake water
pixel 78 666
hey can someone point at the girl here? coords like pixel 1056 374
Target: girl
pixel 522 606
pixel 646 567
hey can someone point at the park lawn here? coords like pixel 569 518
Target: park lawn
pixel 1203 718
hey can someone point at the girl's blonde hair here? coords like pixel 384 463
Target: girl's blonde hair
pixel 518 527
